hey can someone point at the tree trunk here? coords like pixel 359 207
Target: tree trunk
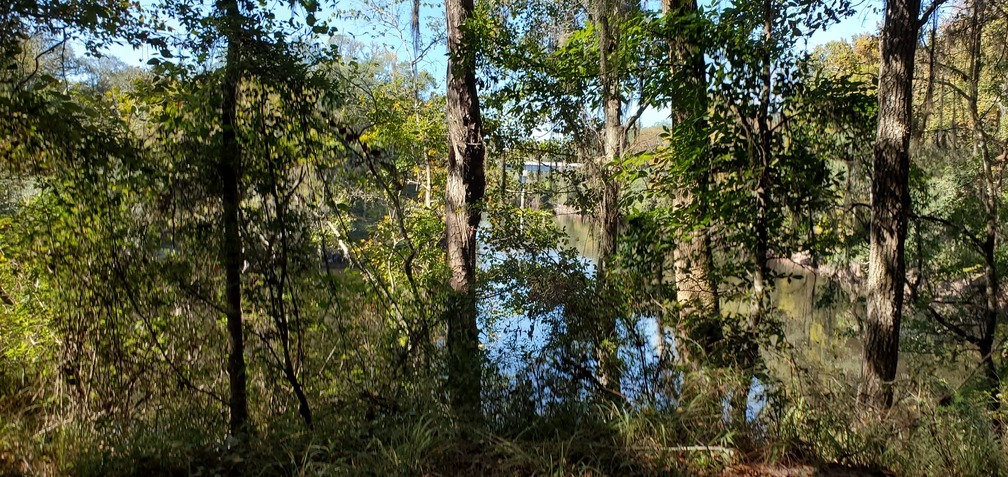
pixel 230 175
pixel 928 106
pixel 608 18
pixel 280 314
pixel 761 272
pixel 463 196
pixel 991 200
pixel 991 309
pixel 428 189
pixel 890 203
pixel 696 290
pixel 304 409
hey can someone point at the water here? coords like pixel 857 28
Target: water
pixel 533 341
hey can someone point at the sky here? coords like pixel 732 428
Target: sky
pixel 390 31
pixel 369 29
pixel 868 19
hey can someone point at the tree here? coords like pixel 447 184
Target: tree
pixel 59 143
pixel 890 200
pixel 957 233
pixel 696 289
pixel 389 15
pixel 609 17
pixel 763 146
pixel 231 254
pixel 990 193
pixel 463 209
pixel 243 130
pixel 745 168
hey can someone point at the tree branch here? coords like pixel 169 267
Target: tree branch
pixel 633 119
pixel 954 88
pixel 961 229
pixel 930 11
pixel 938 317
pixel 179 374
pixel 24 81
pixel 954 328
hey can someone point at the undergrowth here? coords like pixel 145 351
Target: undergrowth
pixel 807 424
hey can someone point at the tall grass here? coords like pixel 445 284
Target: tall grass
pixel 809 422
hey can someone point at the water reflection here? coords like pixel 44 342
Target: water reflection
pixel 579 235
pixel 541 349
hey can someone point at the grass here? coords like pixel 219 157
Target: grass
pixel 816 426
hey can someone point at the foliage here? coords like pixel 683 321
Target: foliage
pixel 112 330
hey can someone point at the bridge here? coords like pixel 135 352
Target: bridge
pixel 537 166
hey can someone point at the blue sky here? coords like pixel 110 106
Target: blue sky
pixel 384 24
pixel 868 19
pixel 370 29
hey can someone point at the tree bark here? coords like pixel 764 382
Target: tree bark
pixel 991 201
pixel 761 272
pixel 696 290
pixel 928 106
pixel 608 18
pixel 229 167
pixel 890 203
pixel 280 313
pixel 463 197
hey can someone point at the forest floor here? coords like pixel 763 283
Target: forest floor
pixel 777 470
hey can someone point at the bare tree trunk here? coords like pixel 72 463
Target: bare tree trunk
pixel 890 203
pixel 230 174
pixel 463 196
pixel 503 177
pixel 991 310
pixel 696 290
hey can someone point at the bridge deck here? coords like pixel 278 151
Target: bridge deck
pixel 550 166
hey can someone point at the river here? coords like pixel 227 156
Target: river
pixel 535 348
